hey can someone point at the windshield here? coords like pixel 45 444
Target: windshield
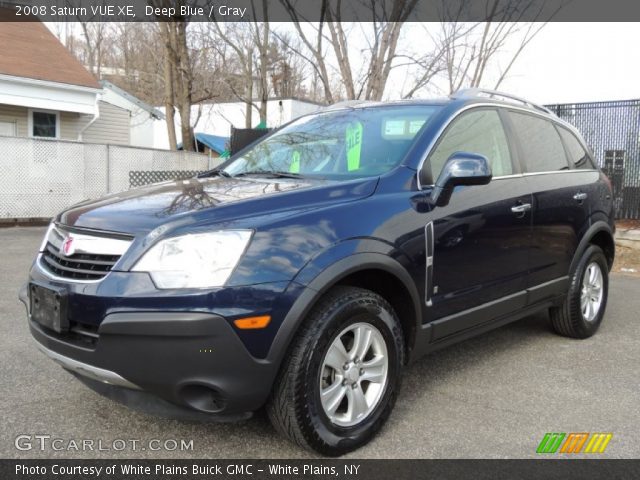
pixel 337 145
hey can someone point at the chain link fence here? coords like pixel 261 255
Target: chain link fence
pixel 612 130
pixel 39 178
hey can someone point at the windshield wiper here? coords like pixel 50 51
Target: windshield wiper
pixel 213 172
pixel 270 173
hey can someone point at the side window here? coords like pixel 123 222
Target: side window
pixel 541 144
pixel 578 156
pixel 44 124
pixel 477 131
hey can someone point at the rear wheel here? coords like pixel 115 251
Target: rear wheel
pixel 582 311
pixel 339 384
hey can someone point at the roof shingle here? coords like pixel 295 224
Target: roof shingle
pixel 30 50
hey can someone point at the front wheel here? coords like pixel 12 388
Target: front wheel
pixel 582 311
pixel 339 384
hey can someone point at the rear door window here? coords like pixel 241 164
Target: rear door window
pixel 542 148
pixel 578 156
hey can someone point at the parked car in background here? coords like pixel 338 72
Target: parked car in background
pixel 309 269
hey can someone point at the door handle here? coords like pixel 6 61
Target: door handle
pixel 521 209
pixel 580 196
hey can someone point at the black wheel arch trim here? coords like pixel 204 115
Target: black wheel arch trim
pixel 585 241
pixel 328 278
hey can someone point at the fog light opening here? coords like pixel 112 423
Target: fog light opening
pixel 203 398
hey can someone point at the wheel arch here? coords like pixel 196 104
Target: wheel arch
pixel 600 234
pixel 377 272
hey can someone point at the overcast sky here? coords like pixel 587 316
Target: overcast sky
pixel 577 62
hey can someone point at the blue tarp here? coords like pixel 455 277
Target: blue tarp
pixel 214 142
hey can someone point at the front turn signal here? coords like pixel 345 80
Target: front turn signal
pixel 252 323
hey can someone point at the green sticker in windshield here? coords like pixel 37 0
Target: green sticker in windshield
pixel 295 162
pixel 354 145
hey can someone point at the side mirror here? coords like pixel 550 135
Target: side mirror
pixel 461 168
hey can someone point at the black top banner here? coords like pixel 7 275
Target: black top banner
pixel 321 10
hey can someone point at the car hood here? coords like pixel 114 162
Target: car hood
pixel 208 199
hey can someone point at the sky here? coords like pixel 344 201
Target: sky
pixel 579 62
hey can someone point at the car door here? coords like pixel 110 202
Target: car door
pixel 588 177
pixel 481 239
pixel 560 202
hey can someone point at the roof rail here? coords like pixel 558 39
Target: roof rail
pixel 480 92
pixel 349 104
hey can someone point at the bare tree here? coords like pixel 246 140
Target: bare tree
pixel 178 77
pixel 124 53
pixel 235 45
pixel 288 71
pixel 169 101
pixel 186 72
pixel 424 67
pixel 314 46
pixel 252 45
pixel 94 32
pixel 94 35
pixel 472 49
pixel 330 33
pixel 262 36
pixel 134 62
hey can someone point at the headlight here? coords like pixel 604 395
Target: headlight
pixel 194 260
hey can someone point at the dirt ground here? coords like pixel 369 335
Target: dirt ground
pixel 627 258
pixel 627 224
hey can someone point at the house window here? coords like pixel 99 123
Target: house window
pixel 44 124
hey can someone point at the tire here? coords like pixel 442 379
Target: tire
pixel 574 318
pixel 296 409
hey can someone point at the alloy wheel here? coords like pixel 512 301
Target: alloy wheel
pixel 592 292
pixel 354 374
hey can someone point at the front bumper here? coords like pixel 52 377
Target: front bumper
pixel 89 371
pixel 194 360
pixel 113 386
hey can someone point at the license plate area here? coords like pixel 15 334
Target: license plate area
pixel 48 307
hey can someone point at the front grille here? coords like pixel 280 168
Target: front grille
pixel 79 266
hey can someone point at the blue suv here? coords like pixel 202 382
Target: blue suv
pixel 305 272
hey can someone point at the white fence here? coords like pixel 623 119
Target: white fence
pixel 39 178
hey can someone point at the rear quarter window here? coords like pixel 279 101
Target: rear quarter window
pixel 542 149
pixel 578 156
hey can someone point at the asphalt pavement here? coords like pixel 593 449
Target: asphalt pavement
pixel 494 396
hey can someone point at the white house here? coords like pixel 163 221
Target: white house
pixel 142 117
pixel 218 118
pixel 45 92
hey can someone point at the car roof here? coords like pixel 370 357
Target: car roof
pixel 357 104
pixel 459 100
pixel 461 96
